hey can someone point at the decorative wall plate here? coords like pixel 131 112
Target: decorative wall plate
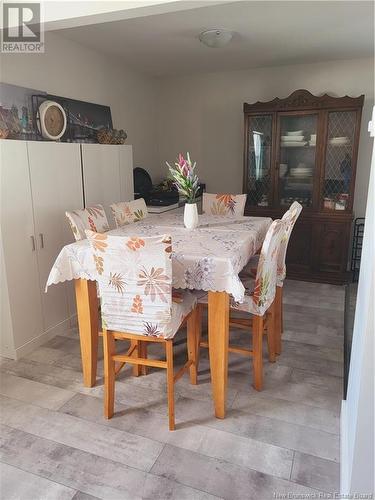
pixel 52 120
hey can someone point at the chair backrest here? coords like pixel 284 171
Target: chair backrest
pixel 266 277
pixel 93 218
pixel 224 204
pixel 126 212
pixel 290 217
pixel 135 282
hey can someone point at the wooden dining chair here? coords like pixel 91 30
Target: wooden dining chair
pixel 259 304
pixel 135 283
pixel 249 273
pixel 126 212
pixel 92 218
pixel 224 204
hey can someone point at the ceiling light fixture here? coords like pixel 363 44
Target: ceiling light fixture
pixel 216 38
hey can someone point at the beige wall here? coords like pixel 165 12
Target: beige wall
pixel 203 114
pixel 71 70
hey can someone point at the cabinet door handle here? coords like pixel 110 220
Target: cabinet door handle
pixel 41 240
pixel 32 243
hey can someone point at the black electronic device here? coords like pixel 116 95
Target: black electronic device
pixel 143 188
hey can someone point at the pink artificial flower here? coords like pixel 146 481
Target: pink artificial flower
pixel 183 164
pixel 181 160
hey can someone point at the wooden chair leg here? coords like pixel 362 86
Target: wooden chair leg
pixel 193 339
pixel 258 325
pixel 136 369
pixel 109 373
pixel 278 321
pixel 201 308
pixel 271 333
pixel 170 383
pixel 143 355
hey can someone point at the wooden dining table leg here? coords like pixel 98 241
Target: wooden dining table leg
pixel 218 341
pixel 193 340
pixel 258 327
pixel 88 324
pixel 271 332
pixel 278 320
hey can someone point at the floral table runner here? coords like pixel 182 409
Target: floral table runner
pixel 207 258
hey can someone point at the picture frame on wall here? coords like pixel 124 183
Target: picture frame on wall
pixel 21 110
pixel 16 112
pixel 84 119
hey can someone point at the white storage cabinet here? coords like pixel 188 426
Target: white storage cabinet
pixel 39 181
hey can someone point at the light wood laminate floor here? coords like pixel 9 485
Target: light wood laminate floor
pixel 55 443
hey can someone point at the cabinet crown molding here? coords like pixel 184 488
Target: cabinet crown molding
pixel 302 98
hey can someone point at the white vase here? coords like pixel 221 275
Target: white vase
pixel 191 215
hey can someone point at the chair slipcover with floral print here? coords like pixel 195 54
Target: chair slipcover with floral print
pixel 258 302
pixel 126 212
pixel 135 284
pixel 248 274
pixel 92 218
pixel 260 298
pixel 224 204
pixel 290 217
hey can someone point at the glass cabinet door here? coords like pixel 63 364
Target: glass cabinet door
pixel 297 154
pixel 258 175
pixel 338 160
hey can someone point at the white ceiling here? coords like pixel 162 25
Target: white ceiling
pixel 267 33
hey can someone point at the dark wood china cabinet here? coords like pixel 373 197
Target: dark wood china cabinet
pixel 305 148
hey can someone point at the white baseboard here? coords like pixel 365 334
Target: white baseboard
pixel 32 344
pixel 344 451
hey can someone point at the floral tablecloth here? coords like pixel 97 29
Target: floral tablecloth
pixel 207 258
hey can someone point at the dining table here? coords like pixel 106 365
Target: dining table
pixel 208 258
